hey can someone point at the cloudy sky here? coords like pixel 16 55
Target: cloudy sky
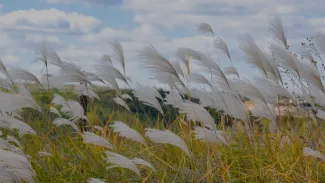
pixel 79 29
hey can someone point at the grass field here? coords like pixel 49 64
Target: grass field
pixel 230 132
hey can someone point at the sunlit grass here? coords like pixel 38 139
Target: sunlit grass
pixel 262 157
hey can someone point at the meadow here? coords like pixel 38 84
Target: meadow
pixel 230 131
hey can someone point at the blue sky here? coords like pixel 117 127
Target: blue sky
pixel 80 29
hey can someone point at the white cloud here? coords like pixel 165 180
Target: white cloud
pixel 10 59
pixel 229 18
pixel 4 39
pixel 106 34
pixel 48 20
pixel 60 1
pixel 87 2
pixel 36 38
pixel 225 16
pixel 143 33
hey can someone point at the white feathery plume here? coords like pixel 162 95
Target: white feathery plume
pixel 215 70
pixel 13 139
pixel 265 110
pixel 13 175
pixel 22 127
pixel 25 175
pixel 154 61
pixel 99 128
pixel 204 28
pixel 43 153
pixel 222 46
pixel 12 123
pixel 54 58
pixel 276 75
pixel 200 79
pixel 11 102
pixel 206 98
pixel 139 161
pixel 253 54
pixel 277 29
pixel 153 91
pixel 111 81
pixel 23 91
pixel 6 84
pixel 303 70
pixel 58 100
pixel 320 114
pixel 170 80
pixel 166 137
pixel 307 54
pixel 3 69
pixel 285 57
pixel 1 132
pixel 126 96
pixel 149 97
pixel 106 58
pixel 8 176
pixel 17 114
pixel 55 111
pixel 121 161
pixel 128 78
pixel 127 132
pixel 227 102
pixel 85 90
pixel 308 96
pixel 21 74
pixel 207 135
pixel 198 113
pixel 74 110
pixel 182 56
pixel 108 73
pixel 95 180
pixel 121 102
pixel 174 98
pixel 91 138
pixel 61 121
pixel 107 77
pixel 317 94
pixel 178 68
pixel 231 70
pixel 310 152
pixel 107 69
pixel 70 72
pixel 48 80
pixel 209 99
pixel 249 90
pixel 320 41
pixel 271 90
pixel 310 73
pixel 184 53
pixel 117 52
pixel 28 96
pixel 93 77
pixel 13 160
pixel 4 123
pixel 257 58
pixel 6 145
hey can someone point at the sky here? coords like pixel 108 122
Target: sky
pixel 79 30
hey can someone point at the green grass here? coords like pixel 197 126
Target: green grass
pixel 262 157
